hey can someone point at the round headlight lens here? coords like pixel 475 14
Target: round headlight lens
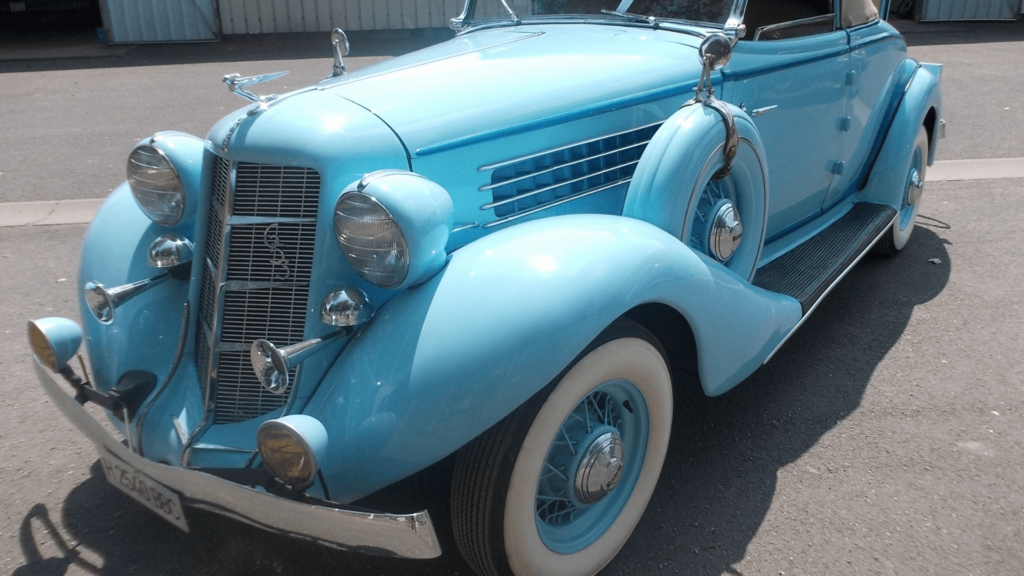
pixel 371 240
pixel 156 185
pixel 286 454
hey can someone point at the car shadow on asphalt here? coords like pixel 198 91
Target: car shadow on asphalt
pixel 720 478
pixel 717 486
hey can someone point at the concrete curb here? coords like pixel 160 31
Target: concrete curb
pixel 984 169
pixel 81 211
pixel 48 213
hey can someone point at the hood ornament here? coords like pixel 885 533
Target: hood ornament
pixel 238 84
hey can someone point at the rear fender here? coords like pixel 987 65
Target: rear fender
pixel 887 181
pixel 444 361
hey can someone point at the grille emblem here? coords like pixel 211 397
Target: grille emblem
pixel 231 132
pixel 279 258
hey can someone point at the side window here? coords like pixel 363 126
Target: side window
pixel 857 12
pixel 778 20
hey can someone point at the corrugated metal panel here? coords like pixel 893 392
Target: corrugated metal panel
pixel 269 16
pixel 948 10
pixel 138 21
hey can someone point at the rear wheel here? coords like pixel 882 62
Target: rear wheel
pixel 896 238
pixel 558 486
pixel 905 8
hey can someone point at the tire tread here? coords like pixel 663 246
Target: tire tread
pixel 475 489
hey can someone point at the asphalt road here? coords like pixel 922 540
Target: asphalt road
pixel 884 438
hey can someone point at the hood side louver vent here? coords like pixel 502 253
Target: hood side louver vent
pixel 527 185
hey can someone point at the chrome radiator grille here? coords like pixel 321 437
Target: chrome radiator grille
pixel 259 258
pixel 526 185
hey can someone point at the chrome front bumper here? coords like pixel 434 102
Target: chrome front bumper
pixel 401 535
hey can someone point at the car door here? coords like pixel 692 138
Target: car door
pixel 789 73
pixel 875 81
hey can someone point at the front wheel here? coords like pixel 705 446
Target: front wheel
pixel 558 486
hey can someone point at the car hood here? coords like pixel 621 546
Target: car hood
pixel 482 84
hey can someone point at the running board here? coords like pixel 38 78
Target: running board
pixel 808 272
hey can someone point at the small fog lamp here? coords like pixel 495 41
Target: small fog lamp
pixel 54 341
pixel 290 447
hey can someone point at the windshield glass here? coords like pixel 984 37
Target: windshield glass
pixel 709 11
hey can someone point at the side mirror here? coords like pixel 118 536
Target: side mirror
pixel 715 51
pixel 339 41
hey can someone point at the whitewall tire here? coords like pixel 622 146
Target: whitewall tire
pixel 899 234
pixel 558 486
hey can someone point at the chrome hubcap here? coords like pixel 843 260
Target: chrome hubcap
pixel 726 232
pixel 916 187
pixel 600 469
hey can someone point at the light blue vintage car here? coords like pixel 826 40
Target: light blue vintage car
pixel 485 249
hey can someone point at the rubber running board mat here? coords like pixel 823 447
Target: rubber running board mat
pixel 807 272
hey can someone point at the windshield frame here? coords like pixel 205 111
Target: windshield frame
pixel 466 21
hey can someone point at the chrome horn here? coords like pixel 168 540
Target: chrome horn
pixel 103 301
pixel 347 309
pixel 272 364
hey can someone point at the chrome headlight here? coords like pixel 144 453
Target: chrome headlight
pixel 393 226
pixel 291 447
pixel 371 240
pixel 156 185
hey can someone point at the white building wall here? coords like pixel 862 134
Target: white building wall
pixel 270 16
pixel 952 10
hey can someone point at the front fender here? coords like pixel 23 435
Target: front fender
pixel 115 250
pixel 144 333
pixel 444 361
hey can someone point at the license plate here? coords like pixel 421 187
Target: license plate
pixel 148 492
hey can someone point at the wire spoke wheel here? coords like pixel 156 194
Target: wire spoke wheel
pixel 592 466
pixel 724 219
pixel 716 195
pixel 558 486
